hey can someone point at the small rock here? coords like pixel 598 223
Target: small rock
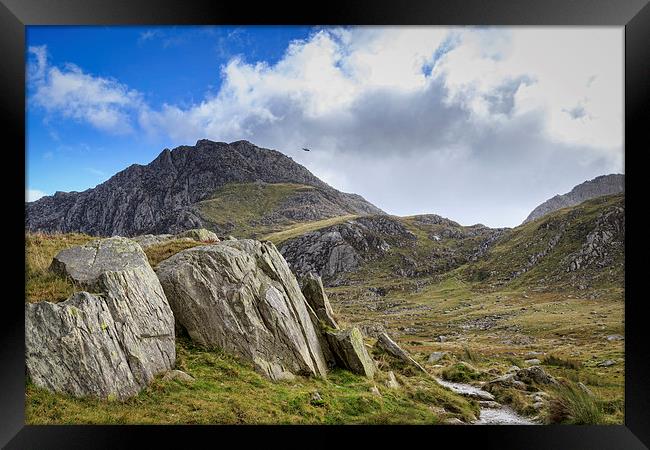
pixel 606 363
pixel 385 343
pixel 438 410
pixel 392 381
pixel 442 338
pixel 519 385
pixel 538 405
pixel 513 369
pixel 316 399
pixel 436 356
pixel 375 391
pixel 615 337
pixel 454 421
pixel 480 395
pixel 199 234
pixel 585 389
pixel 533 362
pixel 489 404
pixel 535 374
pixel 178 375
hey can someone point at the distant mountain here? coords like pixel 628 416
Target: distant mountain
pixel 599 186
pixel 196 186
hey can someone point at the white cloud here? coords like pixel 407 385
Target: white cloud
pixel 32 195
pixel 103 103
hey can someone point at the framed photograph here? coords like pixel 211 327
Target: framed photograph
pixel 391 220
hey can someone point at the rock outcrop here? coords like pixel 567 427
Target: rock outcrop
pixel 162 196
pixel 604 242
pixel 385 343
pixel 341 248
pixel 599 186
pixel 241 296
pixel 312 289
pixel 110 341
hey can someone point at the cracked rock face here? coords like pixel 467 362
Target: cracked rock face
pixel 333 251
pixel 241 296
pixel 108 343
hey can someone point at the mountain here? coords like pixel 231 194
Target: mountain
pixel 599 186
pixel 197 186
pixel 577 247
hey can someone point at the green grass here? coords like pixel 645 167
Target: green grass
pixel 227 391
pixel 240 206
pixel 298 230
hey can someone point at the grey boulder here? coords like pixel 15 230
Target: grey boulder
pixel 350 352
pixel 241 296
pixel 110 343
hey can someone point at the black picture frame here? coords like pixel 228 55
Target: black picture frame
pixel 634 15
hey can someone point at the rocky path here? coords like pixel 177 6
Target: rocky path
pixel 492 413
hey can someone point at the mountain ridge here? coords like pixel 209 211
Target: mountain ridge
pixel 596 187
pixel 162 195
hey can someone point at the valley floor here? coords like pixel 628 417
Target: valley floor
pixel 573 337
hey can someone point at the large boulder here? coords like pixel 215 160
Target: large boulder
pixel 241 296
pixel 385 343
pixel 350 351
pixel 110 343
pixel 312 289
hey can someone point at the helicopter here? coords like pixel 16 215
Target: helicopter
pixel 306 149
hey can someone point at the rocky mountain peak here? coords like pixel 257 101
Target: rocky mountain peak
pixel 597 187
pixel 161 197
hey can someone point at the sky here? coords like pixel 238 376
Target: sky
pixel 477 124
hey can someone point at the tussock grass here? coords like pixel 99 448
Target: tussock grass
pixel 460 373
pixel 40 250
pixel 571 405
pixel 552 360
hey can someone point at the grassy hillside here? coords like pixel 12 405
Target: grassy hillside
pixel 239 207
pixel 296 230
pixel 535 254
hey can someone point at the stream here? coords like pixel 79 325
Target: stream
pixel 492 413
